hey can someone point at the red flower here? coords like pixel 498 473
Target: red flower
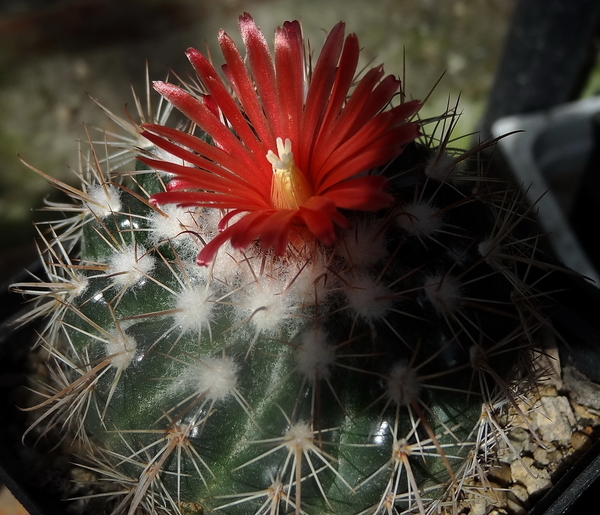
pixel 291 144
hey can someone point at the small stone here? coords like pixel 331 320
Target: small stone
pixel 82 476
pixel 580 441
pixel 533 479
pixel 554 419
pixel 494 494
pixel 500 474
pixel 582 390
pixel 540 455
pixel 548 362
pixel 520 439
pixel 519 492
pixel 477 506
pixel 555 458
pixel 583 415
pixel 547 391
pixel 515 508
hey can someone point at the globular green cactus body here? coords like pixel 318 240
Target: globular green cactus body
pixel 345 379
pixel 354 376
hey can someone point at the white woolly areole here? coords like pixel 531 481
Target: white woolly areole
pixel 403 386
pixel 485 247
pixel 129 265
pixel 78 284
pixel 173 225
pixel 267 305
pixel 104 200
pixel 194 309
pixel 214 378
pixel 313 282
pixel 299 436
pixel 209 220
pixel 122 347
pixel 367 297
pixel 443 292
pixel 364 244
pixel 226 264
pixel 420 219
pixel 490 250
pixel 315 356
pixel 440 167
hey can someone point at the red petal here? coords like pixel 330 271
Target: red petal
pixel 202 116
pixel 372 146
pixel 318 93
pixel 207 254
pixel 328 142
pixel 211 80
pixel 289 63
pixel 247 229
pixel 378 99
pixel 261 64
pixel 203 199
pixel 193 143
pixel 194 178
pixel 362 193
pixel 319 213
pixel 343 80
pixel 244 88
pixel 274 230
pixel 234 180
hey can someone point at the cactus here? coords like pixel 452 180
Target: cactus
pixel 213 352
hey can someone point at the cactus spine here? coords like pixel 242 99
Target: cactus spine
pixel 356 377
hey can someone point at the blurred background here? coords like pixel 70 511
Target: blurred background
pixel 54 53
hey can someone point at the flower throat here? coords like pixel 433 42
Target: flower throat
pixel 289 187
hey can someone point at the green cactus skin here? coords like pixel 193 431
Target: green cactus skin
pixel 342 380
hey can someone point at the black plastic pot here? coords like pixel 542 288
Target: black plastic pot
pixel 576 491
pixel 555 159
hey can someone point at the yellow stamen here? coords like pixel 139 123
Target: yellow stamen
pixel 289 188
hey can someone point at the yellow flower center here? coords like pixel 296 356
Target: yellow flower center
pixel 289 188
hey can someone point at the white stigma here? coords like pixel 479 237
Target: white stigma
pixel 284 162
